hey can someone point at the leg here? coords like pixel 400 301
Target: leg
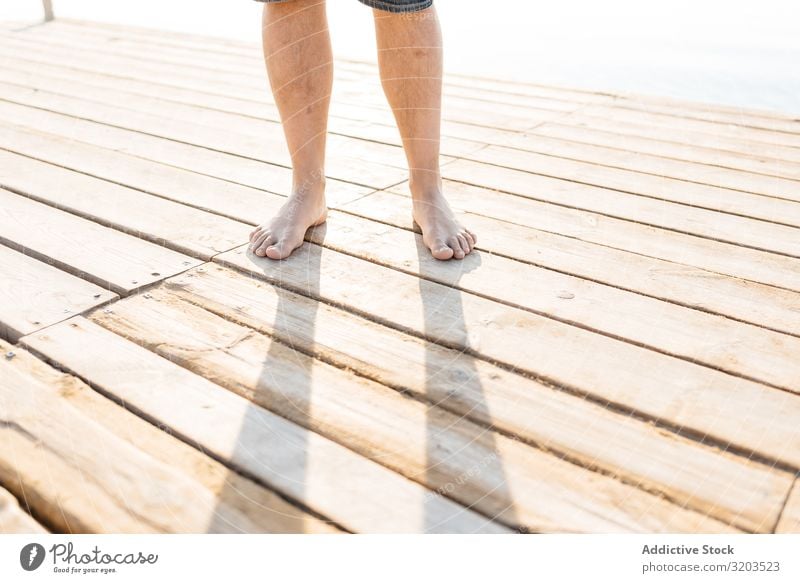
pixel 410 59
pixel 297 51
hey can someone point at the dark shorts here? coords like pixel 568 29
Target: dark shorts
pixel 388 5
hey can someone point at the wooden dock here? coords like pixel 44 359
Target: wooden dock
pixel 621 355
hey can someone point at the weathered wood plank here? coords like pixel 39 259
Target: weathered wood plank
pixel 427 444
pixel 701 107
pixel 80 477
pixel 258 143
pixel 684 471
pixel 13 520
pixel 254 83
pixel 762 305
pixel 781 208
pixel 742 349
pixel 179 227
pixel 251 63
pixel 224 55
pixel 758 354
pixel 339 484
pixel 345 119
pixel 384 131
pixel 741 117
pixel 123 48
pixel 171 155
pixel 698 178
pixel 106 257
pixel 242 49
pixel 772 156
pixel 655 143
pixel 711 255
pixel 618 372
pixel 268 512
pixel 720 129
pixel 593 227
pixel 372 241
pixel 34 295
pixel 686 219
pixel 790 519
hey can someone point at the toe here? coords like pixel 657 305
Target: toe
pixel 470 241
pixel 441 251
pixel 464 244
pixel 255 233
pixel 264 244
pixel 257 241
pixel 455 245
pixel 280 250
pixel 474 237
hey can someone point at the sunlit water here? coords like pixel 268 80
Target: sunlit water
pixel 742 53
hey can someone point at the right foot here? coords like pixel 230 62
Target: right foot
pixel 285 232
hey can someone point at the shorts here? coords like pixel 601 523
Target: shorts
pixel 387 5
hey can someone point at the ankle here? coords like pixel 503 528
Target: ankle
pixel 309 184
pixel 425 185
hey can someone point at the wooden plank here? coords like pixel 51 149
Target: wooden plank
pixel 218 196
pixel 740 349
pixel 702 107
pixel 790 519
pixel 546 348
pixel 214 45
pixel 741 117
pixel 425 443
pixel 268 512
pixel 345 119
pixel 106 257
pixel 762 305
pixel 78 476
pixel 728 228
pixel 781 208
pixel 704 178
pixel 227 55
pixel 594 227
pixel 739 229
pixel 167 183
pixel 257 143
pixel 186 230
pixel 710 255
pixel 34 295
pixel 333 480
pixel 234 169
pixel 635 138
pixel 772 154
pixel 13 520
pixel 684 471
pixel 385 132
pixel 229 47
pixel 719 129
pixel 251 63
pixel 454 109
pixel 737 348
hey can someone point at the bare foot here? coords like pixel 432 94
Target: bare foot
pixel 441 232
pixel 284 233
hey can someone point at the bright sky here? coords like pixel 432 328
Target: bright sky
pixel 742 52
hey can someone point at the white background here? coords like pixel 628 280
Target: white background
pixel 741 52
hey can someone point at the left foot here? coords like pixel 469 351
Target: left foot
pixel 279 237
pixel 441 232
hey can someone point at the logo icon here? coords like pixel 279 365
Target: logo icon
pixel 31 556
